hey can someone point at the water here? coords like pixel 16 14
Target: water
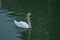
pixel 11 9
pixel 0 4
pixel 8 30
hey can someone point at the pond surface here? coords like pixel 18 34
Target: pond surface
pixel 8 30
pixel 11 9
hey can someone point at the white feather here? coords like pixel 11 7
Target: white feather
pixel 21 24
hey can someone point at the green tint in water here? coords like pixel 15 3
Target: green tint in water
pixel 39 20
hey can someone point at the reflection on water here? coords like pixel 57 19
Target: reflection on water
pixel 22 33
pixel 8 30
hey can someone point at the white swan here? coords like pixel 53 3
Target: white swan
pixel 23 24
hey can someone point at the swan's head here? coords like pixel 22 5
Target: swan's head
pixel 29 14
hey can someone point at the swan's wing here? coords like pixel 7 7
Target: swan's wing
pixel 24 24
pixel 17 23
pixel 21 24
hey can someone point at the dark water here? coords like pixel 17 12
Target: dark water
pixel 8 30
pixel 41 28
pixel 17 8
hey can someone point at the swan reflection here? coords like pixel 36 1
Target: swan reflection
pixel 22 33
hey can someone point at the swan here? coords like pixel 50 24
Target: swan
pixel 23 24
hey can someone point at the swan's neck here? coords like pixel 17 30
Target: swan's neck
pixel 29 21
